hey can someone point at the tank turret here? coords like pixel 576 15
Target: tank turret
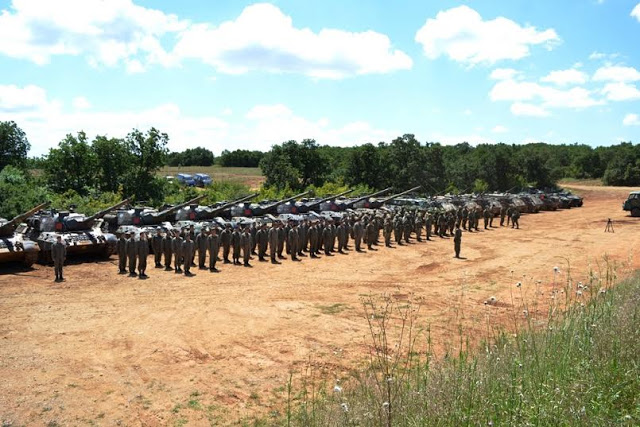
pixel 360 202
pixel 15 246
pixel 260 209
pixel 78 222
pixel 207 213
pixel 301 207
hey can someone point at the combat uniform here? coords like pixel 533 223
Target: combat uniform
pixel 121 248
pixel 225 240
pixel 235 243
pixel 167 249
pixel 132 253
pixel 176 247
pixel 213 246
pixel 156 244
pixel 58 254
pixel 246 244
pixel 293 243
pixel 188 249
pixel 201 244
pixel 457 240
pixel 143 253
pixel 273 243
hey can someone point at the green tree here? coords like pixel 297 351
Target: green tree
pixel 294 164
pixel 198 156
pixel 71 166
pixel 364 166
pixel 19 193
pixel 148 153
pixel 113 161
pixel 13 145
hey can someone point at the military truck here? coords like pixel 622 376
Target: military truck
pixel 14 245
pixel 632 204
pixel 80 233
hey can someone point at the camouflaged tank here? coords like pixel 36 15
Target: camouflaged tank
pixel 14 245
pixel 81 234
pixel 260 209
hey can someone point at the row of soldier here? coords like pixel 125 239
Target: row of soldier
pixel 177 249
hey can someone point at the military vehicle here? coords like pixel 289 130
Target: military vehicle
pixel 574 201
pixel 372 203
pixel 14 247
pixel 304 206
pixel 534 204
pixel 340 204
pixel 632 204
pixel 195 212
pixel 141 219
pixel 260 209
pixel 80 233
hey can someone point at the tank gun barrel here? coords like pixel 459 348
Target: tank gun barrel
pixel 230 204
pixel 9 226
pixel 103 212
pixel 400 194
pixel 326 199
pixel 282 202
pixel 359 199
pixel 176 208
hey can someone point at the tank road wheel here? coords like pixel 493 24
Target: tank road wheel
pixel 635 212
pixel 30 258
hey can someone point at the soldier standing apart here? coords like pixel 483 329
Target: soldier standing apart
pixel 156 244
pixel 235 243
pixel 457 241
pixel 201 244
pixel 143 253
pixel 121 247
pixel 132 254
pixel 273 243
pixel 58 254
pixel 176 246
pixel 225 240
pixel 188 249
pixel 213 245
pixel 246 244
pixel 486 214
pixel 515 219
pixel 167 250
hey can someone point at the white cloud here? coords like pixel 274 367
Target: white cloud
pixel 619 91
pixel 461 34
pixel 565 77
pixel 105 32
pixel 510 90
pixel 263 38
pixel 636 12
pixel 46 122
pixel 504 74
pixel 499 129
pixel 525 109
pixel 80 103
pixel 616 73
pixel 631 120
pixel 595 55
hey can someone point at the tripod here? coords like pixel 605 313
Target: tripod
pixel 609 227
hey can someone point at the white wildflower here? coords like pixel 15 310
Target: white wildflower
pixel 385 405
pixel 337 389
pixel 579 293
pixel 556 269
pixel 344 407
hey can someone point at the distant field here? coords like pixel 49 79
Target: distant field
pixel 586 182
pixel 249 176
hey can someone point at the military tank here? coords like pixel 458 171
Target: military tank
pixel 194 212
pixel 260 209
pixel 338 205
pixel 141 219
pixel 304 206
pixel 80 233
pixel 373 203
pixel 14 246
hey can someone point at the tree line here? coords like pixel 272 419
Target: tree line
pixel 93 174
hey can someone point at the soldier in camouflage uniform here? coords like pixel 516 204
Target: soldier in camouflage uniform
pixel 246 244
pixel 273 243
pixel 213 246
pixel 293 241
pixel 515 219
pixel 143 253
pixel 387 229
pixel 188 249
pixel 428 224
pixel 457 241
pixel 121 248
pixel 503 213
pixel 358 233
pixel 58 255
pixel 486 215
pixel 167 250
pixel 225 240
pixel 313 240
pixel 176 246
pixel 201 245
pixel 132 254
pixel 282 236
pixel 235 244
pixel 262 240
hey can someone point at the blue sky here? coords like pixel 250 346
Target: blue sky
pixel 239 74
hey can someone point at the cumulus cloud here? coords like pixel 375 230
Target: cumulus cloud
pixel 619 91
pixel 565 77
pixel 510 90
pixel 263 38
pixel 105 32
pixel 47 121
pixel 631 120
pixel 119 32
pixel 636 12
pixel 463 35
pixel 616 73
pixel 504 74
pixel 80 103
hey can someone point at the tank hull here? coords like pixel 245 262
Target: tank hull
pixel 78 243
pixel 15 250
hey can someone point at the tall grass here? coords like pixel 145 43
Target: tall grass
pixel 577 365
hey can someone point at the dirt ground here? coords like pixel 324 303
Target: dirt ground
pixel 104 349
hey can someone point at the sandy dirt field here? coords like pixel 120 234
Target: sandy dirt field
pixel 104 349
